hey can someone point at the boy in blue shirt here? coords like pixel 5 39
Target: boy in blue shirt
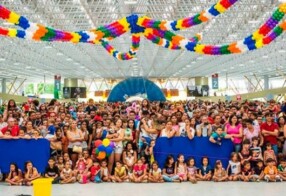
pixel 217 136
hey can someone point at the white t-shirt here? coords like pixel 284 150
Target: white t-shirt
pixel 183 131
pixel 234 167
pixel 144 133
pixel 204 130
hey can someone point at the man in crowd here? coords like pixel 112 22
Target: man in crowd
pixel 14 129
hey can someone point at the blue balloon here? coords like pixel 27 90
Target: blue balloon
pixel 108 150
pixel 101 148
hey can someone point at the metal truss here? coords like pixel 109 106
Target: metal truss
pixel 31 60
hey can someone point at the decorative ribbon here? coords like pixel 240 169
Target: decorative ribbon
pixel 159 32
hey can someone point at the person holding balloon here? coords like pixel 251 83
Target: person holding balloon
pixel 117 136
pixel 103 149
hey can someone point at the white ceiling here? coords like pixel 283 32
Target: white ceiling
pixel 33 60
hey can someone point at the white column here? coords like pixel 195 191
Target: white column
pixel 3 85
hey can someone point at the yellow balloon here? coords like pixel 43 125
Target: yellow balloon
pixel 106 142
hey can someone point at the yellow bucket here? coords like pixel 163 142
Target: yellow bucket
pixel 42 187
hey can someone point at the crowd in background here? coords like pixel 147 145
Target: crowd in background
pixel 257 130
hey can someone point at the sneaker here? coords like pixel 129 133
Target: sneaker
pixel 267 179
pixel 257 180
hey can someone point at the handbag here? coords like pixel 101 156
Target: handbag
pixel 77 149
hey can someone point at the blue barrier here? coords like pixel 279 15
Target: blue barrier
pixel 197 148
pixel 21 150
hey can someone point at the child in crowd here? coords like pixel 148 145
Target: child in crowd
pixel 271 172
pixel 234 167
pixel 129 161
pixel 246 173
pixel 269 153
pixel 244 154
pixel 60 163
pixel 282 169
pixel 155 174
pixel 105 176
pixel 95 172
pixel 51 129
pixel 15 175
pixel 23 135
pixel 220 174
pixel 144 161
pixel 52 171
pixel 67 175
pixel 192 171
pixel 169 173
pixel 139 172
pixel 256 152
pixel 120 174
pixel 181 168
pixel 217 136
pixel 80 165
pixel 31 173
pixel 36 135
pixel 258 173
pixel 149 152
pixel 205 171
pixel 67 158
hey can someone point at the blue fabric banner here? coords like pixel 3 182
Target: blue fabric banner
pixel 196 148
pixel 21 150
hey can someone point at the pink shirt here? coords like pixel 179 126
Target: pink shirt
pixel 234 130
pixel 249 135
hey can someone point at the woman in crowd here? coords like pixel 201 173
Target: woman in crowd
pixel 11 109
pixel 75 138
pixel 116 134
pixel 234 128
pixel 252 131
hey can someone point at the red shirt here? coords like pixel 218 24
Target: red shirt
pixel 93 170
pixel 270 138
pixel 98 118
pixel 14 130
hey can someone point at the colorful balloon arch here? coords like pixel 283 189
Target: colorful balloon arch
pixel 159 32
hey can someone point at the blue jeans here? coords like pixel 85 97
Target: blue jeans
pixel 275 149
pixel 237 147
pixel 170 179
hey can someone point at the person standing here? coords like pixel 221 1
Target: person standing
pixel 269 130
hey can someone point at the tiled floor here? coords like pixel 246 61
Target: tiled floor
pixel 172 189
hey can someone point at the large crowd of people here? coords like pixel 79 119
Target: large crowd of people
pixel 257 130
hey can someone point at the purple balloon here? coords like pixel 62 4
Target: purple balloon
pixel 112 145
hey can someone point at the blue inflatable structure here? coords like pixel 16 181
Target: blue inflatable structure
pixel 136 86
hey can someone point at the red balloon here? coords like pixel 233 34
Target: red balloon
pixel 97 143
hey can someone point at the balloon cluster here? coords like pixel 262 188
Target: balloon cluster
pixel 103 148
pixel 159 32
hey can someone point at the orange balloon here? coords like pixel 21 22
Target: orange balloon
pixel 101 155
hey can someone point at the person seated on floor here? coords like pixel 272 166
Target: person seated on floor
pixel 15 176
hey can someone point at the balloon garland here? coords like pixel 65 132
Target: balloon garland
pixel 267 33
pixel 159 32
pixel 217 9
